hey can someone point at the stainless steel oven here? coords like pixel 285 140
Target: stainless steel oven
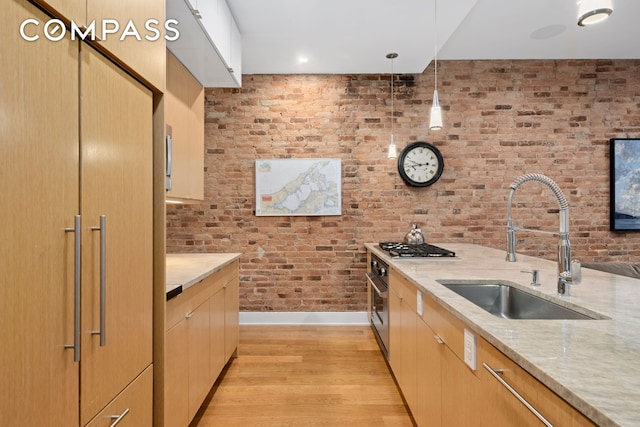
pixel 378 277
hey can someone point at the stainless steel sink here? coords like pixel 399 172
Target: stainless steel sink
pixel 509 302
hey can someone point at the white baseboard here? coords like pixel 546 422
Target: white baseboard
pixel 303 318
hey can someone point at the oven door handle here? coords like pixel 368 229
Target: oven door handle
pixel 373 285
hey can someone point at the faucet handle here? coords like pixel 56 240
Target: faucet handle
pixel 535 276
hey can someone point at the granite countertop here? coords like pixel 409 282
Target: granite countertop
pixel 184 270
pixel 592 364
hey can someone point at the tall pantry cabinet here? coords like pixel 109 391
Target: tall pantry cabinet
pixel 76 226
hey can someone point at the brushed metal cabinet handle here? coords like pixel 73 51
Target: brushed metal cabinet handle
pixel 169 171
pixel 522 400
pixel 76 287
pixel 103 280
pixel 118 418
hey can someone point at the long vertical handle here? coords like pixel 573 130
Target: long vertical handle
pixel 76 288
pixel 517 395
pixel 169 171
pixel 103 280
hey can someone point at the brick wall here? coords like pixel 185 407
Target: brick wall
pixel 502 119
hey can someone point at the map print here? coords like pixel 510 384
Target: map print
pixel 298 187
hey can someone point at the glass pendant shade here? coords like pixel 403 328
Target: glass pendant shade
pixel 593 11
pixel 435 121
pixel 393 152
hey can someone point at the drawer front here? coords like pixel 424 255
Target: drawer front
pixel 404 288
pixel 445 325
pixel 133 407
pixel 192 297
pixel 509 410
pixel 221 277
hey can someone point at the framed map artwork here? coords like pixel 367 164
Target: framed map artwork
pixel 625 184
pixel 298 187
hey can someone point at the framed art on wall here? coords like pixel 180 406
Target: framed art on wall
pixel 624 210
pixel 298 187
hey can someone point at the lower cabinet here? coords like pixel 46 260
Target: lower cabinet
pixel 202 322
pixel 505 409
pixel 132 407
pixel 426 356
pixel 403 321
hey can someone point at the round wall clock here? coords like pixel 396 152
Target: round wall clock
pixel 420 164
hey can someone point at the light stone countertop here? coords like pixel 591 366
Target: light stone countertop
pixel 184 270
pixel 592 364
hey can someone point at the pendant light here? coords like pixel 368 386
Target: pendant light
pixel 392 143
pixel 593 11
pixel 435 121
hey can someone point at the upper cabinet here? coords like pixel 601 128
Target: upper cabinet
pixel 132 34
pixel 184 116
pixel 209 44
pixel 144 52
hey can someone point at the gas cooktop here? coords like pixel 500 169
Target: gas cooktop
pixel 405 250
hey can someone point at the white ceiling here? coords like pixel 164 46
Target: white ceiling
pixel 354 36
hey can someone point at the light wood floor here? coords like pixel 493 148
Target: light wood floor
pixel 305 376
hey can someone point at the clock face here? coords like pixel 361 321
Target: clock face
pixel 420 164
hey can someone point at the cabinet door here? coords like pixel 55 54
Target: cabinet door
pixel 132 408
pixel 73 10
pixel 40 153
pixel 461 393
pixel 408 380
pixel 200 379
pixel 231 320
pixel 144 57
pixel 184 112
pixel 218 359
pixel 429 377
pixel 502 408
pixel 116 181
pixel 176 376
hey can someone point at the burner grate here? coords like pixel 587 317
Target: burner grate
pixel 404 250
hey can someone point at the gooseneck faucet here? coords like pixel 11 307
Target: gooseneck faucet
pixel 564 247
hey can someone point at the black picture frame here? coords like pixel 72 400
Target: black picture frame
pixel 624 199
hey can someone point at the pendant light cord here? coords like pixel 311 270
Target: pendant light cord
pixel 392 97
pixel 435 41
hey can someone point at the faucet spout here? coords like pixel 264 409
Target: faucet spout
pixel 564 246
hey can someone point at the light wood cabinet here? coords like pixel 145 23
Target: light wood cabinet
pixel 428 411
pixel 135 47
pixel 176 376
pixel 199 358
pixel 426 356
pixel 145 57
pixel 131 408
pixel 89 140
pixel 403 347
pixel 502 408
pixel 231 317
pixel 116 182
pixel 202 335
pixel 73 10
pixel 184 114
pixel 39 380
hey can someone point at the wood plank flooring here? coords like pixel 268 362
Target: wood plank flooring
pixel 305 376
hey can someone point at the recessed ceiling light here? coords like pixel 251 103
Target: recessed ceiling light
pixel 593 11
pixel 303 60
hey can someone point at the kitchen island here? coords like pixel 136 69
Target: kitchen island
pixel 594 365
pixel 201 328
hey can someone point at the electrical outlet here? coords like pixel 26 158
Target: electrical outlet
pixel 470 349
pixel 419 305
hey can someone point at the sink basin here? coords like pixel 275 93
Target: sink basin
pixel 508 302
